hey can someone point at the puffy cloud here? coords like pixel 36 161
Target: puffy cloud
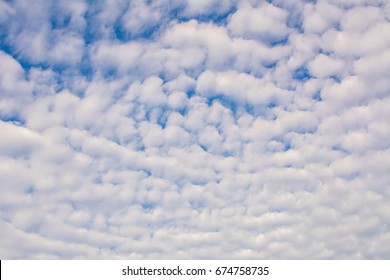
pixel 375 66
pixel 140 16
pixel 265 22
pixel 352 20
pixel 15 89
pixel 207 38
pixel 46 33
pixel 241 87
pixel 321 16
pixel 116 58
pixel 194 129
pixel 203 7
pixel 325 66
pixel 350 43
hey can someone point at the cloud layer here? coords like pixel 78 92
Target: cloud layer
pixel 195 129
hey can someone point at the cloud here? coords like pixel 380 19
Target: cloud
pixel 347 43
pixel 325 66
pixel 194 130
pixel 321 16
pixel 265 22
pixel 14 88
pixel 139 17
pixel 241 87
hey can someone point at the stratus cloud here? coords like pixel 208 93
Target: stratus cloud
pixel 199 129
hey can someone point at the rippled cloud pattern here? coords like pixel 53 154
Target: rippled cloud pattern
pixel 195 129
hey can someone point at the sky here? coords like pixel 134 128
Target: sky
pixel 195 129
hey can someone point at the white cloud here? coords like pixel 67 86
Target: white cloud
pixel 305 48
pixel 254 57
pixel 67 49
pixel 18 141
pixel 217 129
pixel 266 22
pixel 5 11
pixel 204 7
pixel 151 92
pixel 36 36
pixel 140 16
pixel 177 100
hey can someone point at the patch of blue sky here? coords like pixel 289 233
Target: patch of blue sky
pixel 219 19
pixel 335 78
pixel 276 209
pixel 148 32
pixel 295 19
pixel 164 75
pixel 228 154
pixel 92 32
pixel 246 108
pixel 62 70
pixel 270 64
pixel 4 46
pixel 203 147
pixel 147 206
pixel 305 129
pixel 85 68
pixel 110 73
pixel 59 20
pixel 191 92
pixel 302 74
pixel 214 14
pixel 30 190
pixel 255 110
pixel 124 35
pixel 183 111
pixel 162 118
pixel 225 101
pixel 197 204
pixel 325 52
pixel 278 41
pixel 194 72
pixel 340 149
pixel 14 118
pixel 317 96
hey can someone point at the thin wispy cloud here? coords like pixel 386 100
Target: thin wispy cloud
pixel 195 129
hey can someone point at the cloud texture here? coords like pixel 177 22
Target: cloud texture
pixel 195 129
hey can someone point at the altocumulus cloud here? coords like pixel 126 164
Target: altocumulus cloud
pixel 195 129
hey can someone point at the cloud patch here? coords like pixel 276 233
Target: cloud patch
pixel 194 130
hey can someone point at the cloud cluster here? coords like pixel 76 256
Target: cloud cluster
pixel 195 129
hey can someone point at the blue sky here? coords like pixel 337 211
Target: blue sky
pixel 195 129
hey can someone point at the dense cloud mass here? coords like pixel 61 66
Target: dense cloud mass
pixel 195 129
